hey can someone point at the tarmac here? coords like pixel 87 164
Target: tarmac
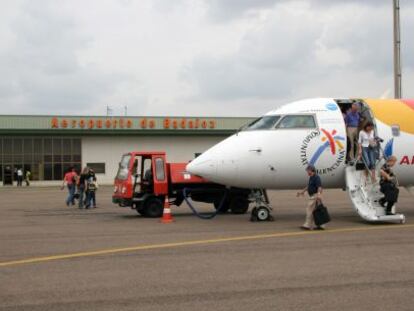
pixel 54 257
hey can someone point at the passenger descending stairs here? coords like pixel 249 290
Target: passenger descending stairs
pixel 365 195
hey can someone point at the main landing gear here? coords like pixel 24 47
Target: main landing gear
pixel 262 209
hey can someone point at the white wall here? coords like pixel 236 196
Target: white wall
pixel 108 149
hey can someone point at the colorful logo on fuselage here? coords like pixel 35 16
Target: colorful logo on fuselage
pixel 323 149
pixel 388 149
pixel 330 141
pixel 332 106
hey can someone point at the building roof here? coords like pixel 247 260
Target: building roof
pixel 115 125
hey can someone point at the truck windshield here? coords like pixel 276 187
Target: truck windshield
pixel 263 123
pixel 123 167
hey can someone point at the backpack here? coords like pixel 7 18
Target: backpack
pixel 92 185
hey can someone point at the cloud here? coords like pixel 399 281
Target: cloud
pixel 42 68
pixel 228 10
pixel 301 50
pixel 190 57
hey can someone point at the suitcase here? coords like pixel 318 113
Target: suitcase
pixel 321 215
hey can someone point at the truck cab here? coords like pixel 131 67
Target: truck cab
pixel 141 182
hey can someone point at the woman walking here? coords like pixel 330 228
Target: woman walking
pixel 70 181
pixel 366 148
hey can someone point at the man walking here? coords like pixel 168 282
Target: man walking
pixel 352 120
pixel 28 175
pixel 314 189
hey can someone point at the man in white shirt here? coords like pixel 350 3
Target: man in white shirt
pixel 19 177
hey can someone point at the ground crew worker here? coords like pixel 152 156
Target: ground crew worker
pixel 314 189
pixel 389 185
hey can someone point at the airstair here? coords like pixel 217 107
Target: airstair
pixel 365 196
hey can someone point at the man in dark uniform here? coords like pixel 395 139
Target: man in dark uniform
pixel 389 185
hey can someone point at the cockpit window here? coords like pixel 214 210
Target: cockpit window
pixel 297 122
pixel 263 123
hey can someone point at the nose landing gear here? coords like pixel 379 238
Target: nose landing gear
pixel 262 209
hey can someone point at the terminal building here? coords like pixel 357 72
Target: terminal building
pixel 48 146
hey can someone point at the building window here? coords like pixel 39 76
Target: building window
pixel 98 168
pixel 46 158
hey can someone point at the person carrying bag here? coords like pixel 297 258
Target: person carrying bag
pixel 320 214
pixel 314 190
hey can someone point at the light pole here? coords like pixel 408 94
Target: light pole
pixel 397 50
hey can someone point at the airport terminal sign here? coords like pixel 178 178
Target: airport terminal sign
pixel 132 123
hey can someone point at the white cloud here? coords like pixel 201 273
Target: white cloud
pixel 233 57
pixel 303 50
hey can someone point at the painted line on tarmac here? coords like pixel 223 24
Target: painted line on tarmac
pixel 197 242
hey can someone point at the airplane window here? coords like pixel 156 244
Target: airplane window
pixel 263 123
pixel 298 121
pixel 395 129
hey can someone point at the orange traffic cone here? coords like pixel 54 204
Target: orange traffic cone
pixel 166 215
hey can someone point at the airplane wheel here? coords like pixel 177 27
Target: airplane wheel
pixel 263 213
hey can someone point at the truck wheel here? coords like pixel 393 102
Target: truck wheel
pixel 239 204
pixel 140 209
pixel 153 208
pixel 224 208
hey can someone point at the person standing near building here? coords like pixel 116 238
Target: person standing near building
pixel 352 120
pixel 92 187
pixel 314 189
pixel 19 177
pixel 82 186
pixel 27 177
pixel 70 180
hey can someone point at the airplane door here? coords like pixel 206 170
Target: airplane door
pixel 394 124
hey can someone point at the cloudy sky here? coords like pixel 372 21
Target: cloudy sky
pixel 195 57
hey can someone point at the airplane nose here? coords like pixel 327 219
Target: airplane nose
pixel 202 166
pixel 219 163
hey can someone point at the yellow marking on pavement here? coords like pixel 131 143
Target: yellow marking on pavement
pixel 198 242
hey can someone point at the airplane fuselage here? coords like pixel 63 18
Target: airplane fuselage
pixel 274 152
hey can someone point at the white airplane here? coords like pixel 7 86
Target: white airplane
pixel 273 151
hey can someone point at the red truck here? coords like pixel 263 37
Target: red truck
pixel 144 179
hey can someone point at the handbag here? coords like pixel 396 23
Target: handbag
pixel 320 214
pixel 360 166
